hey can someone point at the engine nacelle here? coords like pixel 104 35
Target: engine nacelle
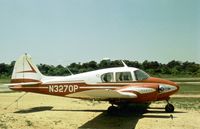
pixel 163 88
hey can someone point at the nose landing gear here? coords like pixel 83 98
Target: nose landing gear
pixel 169 107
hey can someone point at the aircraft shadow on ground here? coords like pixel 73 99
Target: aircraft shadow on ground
pixel 35 109
pixel 105 121
pixel 124 120
pixel 74 110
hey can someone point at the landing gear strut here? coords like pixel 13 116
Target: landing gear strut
pixel 169 107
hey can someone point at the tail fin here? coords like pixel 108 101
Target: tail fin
pixel 25 71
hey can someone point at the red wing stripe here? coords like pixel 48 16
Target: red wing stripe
pixel 97 87
pixel 29 87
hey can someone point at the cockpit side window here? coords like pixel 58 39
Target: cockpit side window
pixel 140 75
pixel 123 76
pixel 107 77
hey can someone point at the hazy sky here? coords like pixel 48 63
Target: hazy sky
pixel 66 31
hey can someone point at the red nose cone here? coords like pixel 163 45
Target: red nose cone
pixel 159 80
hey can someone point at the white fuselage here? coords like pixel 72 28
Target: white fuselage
pixel 90 77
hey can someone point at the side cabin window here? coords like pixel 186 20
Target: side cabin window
pixel 123 76
pixel 107 77
pixel 140 75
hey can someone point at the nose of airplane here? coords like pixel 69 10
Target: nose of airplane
pixel 164 85
pixel 164 88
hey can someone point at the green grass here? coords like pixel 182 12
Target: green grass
pixel 3 88
pixel 186 103
pixel 179 76
pixel 189 89
pixel 184 79
pixel 3 81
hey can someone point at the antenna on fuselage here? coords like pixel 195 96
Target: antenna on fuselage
pixel 124 63
pixel 69 71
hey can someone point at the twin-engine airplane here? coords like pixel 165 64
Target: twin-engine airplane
pixel 119 86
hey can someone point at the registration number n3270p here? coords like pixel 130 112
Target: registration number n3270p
pixel 63 88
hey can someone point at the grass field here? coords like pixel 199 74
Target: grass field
pixel 184 79
pixel 3 88
pixel 189 89
pixel 186 103
pixel 3 81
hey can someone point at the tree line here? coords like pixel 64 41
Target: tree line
pixel 172 69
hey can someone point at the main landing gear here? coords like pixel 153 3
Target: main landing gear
pixel 169 107
pixel 126 108
pixel 112 110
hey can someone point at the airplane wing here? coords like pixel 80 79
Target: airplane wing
pixel 103 94
pixel 125 92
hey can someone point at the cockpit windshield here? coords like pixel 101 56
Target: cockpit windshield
pixel 140 75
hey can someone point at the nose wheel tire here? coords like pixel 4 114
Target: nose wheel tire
pixel 169 108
